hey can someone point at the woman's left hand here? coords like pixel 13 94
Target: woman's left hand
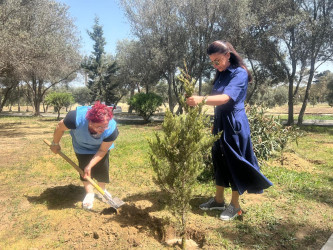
pixel 194 100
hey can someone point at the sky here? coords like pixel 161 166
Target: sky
pixel 111 17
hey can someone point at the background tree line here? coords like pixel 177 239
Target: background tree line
pixel 39 49
pixel 284 42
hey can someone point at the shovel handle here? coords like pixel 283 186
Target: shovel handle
pixel 91 181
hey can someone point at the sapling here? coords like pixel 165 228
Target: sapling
pixel 177 153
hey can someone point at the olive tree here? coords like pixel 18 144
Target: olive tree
pixel 59 100
pixel 172 31
pixel 298 36
pixel 41 43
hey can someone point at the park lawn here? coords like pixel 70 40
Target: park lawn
pixel 307 117
pixel 41 197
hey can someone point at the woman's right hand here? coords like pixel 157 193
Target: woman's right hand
pixel 55 148
pixel 194 100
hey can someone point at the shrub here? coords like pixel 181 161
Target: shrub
pixel 145 104
pixel 59 100
pixel 82 95
pixel 177 154
pixel 268 134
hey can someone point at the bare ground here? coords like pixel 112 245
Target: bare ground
pixel 38 210
pixel 31 206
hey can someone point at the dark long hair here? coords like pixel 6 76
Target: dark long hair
pixel 224 47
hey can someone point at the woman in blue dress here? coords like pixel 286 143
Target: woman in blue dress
pixel 235 164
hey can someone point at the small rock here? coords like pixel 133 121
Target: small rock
pixel 95 235
pixel 190 244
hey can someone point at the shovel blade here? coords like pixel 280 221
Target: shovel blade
pixel 113 201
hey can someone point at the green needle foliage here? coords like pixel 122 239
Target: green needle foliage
pixel 177 153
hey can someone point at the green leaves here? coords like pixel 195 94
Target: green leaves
pixel 59 100
pixel 145 104
pixel 268 135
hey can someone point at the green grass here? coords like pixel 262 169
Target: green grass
pixel 295 213
pixel 308 117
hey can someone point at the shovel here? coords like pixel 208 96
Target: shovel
pixel 113 202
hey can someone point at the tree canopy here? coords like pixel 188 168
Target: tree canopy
pixel 282 41
pixel 39 47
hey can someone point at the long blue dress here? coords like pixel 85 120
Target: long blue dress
pixel 241 168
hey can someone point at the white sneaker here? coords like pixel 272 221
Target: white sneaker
pixel 230 213
pixel 88 201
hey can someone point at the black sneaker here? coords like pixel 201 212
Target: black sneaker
pixel 212 204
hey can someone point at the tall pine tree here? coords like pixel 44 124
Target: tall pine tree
pixel 177 153
pixel 101 69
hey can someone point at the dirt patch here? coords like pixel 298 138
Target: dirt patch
pixel 57 205
pixel 294 162
pixel 132 225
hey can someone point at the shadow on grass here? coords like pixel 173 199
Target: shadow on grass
pixel 271 234
pixel 330 179
pixel 158 199
pixel 9 130
pixel 18 129
pixel 280 235
pixel 59 197
pixel 195 202
pixel 322 195
pixel 138 122
pixel 49 119
pixel 318 129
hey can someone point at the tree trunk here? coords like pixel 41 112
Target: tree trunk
pixel 58 118
pixel 36 85
pixel 38 95
pixel 179 110
pixel 18 100
pixel 255 80
pixel 5 98
pixel 249 96
pixel 200 85
pixel 130 108
pixel 183 229
pixel 171 104
pixel 306 96
pixel 291 78
pixel 290 104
